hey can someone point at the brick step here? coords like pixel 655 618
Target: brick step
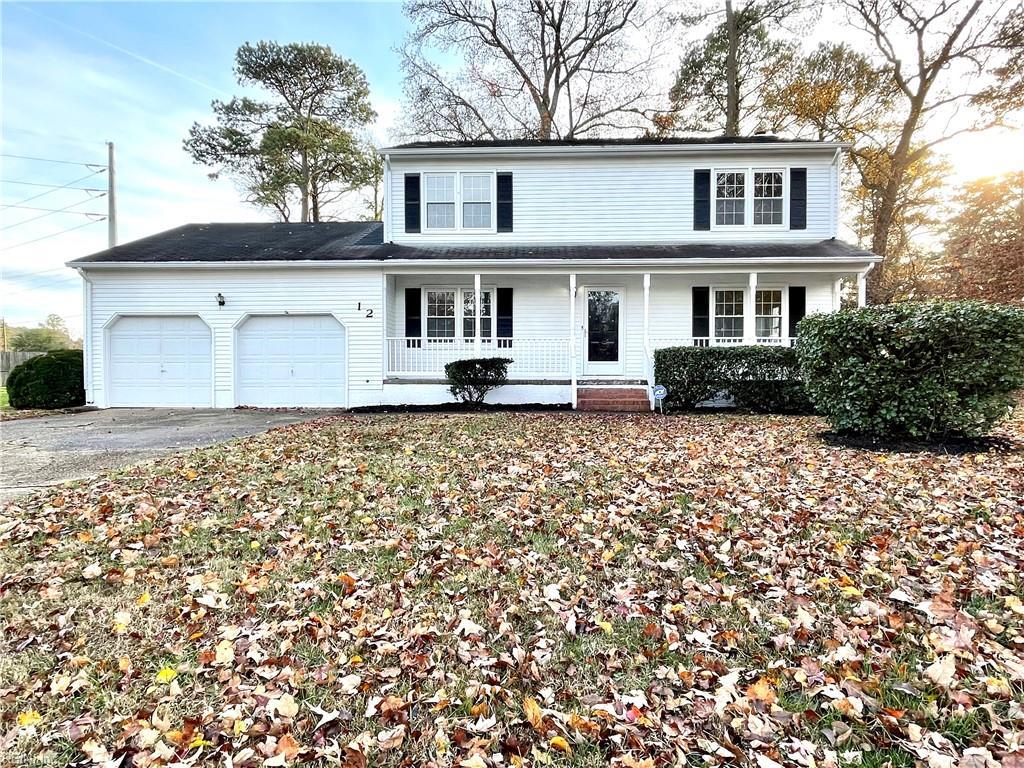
pixel 622 400
pixel 584 405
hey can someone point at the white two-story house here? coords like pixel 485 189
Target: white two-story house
pixel 574 259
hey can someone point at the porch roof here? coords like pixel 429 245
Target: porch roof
pixel 362 243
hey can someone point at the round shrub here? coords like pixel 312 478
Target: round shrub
pixel 470 380
pixel 917 369
pixel 53 380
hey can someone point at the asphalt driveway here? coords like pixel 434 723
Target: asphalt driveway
pixel 45 451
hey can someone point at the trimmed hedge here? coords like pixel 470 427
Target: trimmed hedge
pixel 920 370
pixel 53 380
pixel 759 378
pixel 471 380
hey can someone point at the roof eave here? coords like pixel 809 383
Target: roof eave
pixel 580 264
pixel 617 149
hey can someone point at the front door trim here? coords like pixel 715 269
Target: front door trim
pixel 604 368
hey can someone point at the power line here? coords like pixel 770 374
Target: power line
pixel 50 160
pixel 57 210
pixel 55 234
pixel 54 188
pixel 51 212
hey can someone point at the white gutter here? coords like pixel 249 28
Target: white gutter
pixel 428 264
pixel 615 149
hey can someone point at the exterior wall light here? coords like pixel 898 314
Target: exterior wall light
pixel 220 299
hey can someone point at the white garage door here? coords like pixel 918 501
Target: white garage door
pixel 291 361
pixel 160 361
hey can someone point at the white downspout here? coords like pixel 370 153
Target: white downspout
pixel 386 197
pixel 87 341
pixel 862 286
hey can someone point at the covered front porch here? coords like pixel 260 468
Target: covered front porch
pixel 589 327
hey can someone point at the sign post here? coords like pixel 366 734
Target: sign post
pixel 660 393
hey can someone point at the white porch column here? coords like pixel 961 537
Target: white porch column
pixel 648 357
pixel 749 337
pixel 572 336
pixel 476 313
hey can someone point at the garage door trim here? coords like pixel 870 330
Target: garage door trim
pixel 108 327
pixel 236 329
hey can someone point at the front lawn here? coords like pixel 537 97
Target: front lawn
pixel 509 589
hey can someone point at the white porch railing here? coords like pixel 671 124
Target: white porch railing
pixel 532 358
pixel 704 341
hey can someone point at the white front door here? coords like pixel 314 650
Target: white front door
pixel 603 353
pixel 160 362
pixel 291 361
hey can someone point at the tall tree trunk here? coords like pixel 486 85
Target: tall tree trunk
pixel 304 186
pixel 732 98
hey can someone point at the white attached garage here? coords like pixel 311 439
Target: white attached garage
pixel 291 361
pixel 160 361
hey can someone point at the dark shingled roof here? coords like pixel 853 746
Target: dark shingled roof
pixel 609 142
pixel 363 242
pixel 279 241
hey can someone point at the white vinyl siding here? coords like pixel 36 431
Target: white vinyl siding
pixel 620 199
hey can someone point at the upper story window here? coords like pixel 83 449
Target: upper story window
pixel 750 197
pixel 476 201
pixel 730 197
pixel 439 196
pixel 767 197
pixel 458 201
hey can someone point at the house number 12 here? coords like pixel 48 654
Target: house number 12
pixel 369 312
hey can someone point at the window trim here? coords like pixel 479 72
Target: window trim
pixel 745 290
pixel 424 219
pixel 459 315
pixel 426 317
pixel 713 307
pixel 748 199
pixel 459 228
pixel 783 314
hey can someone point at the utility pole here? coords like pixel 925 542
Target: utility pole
pixel 111 198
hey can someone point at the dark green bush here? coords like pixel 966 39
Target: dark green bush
pixel 759 378
pixel 53 380
pixel 917 369
pixel 471 380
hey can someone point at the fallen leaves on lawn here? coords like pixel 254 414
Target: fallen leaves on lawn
pixel 505 590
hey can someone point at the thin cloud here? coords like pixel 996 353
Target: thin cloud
pixel 126 52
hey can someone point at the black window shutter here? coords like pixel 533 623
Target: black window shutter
pixel 797 306
pixel 412 202
pixel 504 306
pixel 701 312
pixel 413 312
pixel 702 199
pixel 505 204
pixel 798 198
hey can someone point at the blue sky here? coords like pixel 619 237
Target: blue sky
pixel 75 75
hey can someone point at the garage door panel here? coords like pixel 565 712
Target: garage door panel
pixel 291 360
pixel 160 361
